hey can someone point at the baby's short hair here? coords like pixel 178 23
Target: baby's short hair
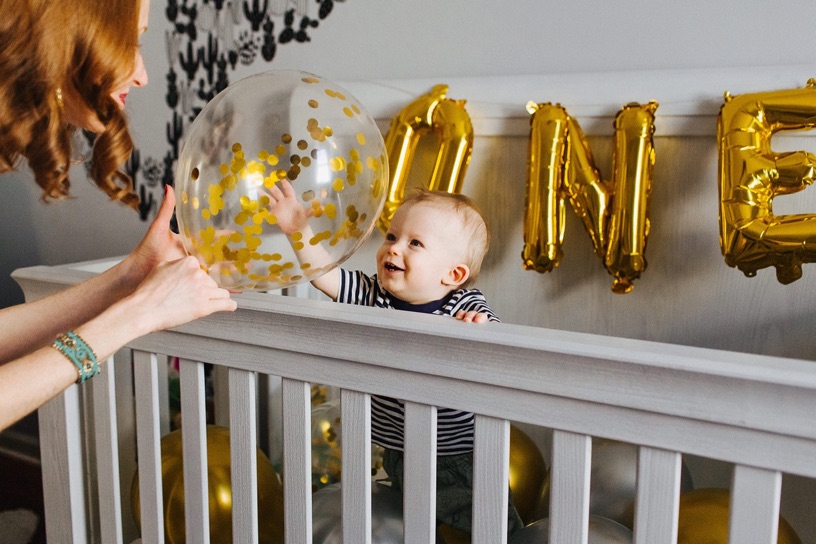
pixel 474 224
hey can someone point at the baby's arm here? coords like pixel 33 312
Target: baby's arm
pixel 293 219
pixel 472 307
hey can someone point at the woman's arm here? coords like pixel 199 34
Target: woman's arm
pixel 107 311
pixel 26 327
pixel 175 293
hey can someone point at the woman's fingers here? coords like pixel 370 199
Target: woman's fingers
pixel 180 291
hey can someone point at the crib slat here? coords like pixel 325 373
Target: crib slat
pixel 658 496
pixel 569 495
pixel 419 508
pixel 755 497
pixel 63 468
pixel 194 436
pixel 162 368
pixel 243 457
pixel 491 461
pixel 126 427
pixel 220 382
pixel 146 381
pixel 297 462
pixel 356 459
pixel 107 453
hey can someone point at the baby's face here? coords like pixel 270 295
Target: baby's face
pixel 421 250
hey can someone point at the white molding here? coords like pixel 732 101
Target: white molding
pixel 689 99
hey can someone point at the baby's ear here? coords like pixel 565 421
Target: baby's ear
pixel 457 275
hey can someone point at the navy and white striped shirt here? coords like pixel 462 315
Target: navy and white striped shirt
pixel 454 430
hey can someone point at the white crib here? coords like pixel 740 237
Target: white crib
pixel 756 412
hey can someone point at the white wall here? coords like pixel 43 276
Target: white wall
pixel 389 39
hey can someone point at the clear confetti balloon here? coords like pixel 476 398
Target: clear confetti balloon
pixel 282 124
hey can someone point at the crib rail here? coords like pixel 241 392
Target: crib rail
pixel 753 411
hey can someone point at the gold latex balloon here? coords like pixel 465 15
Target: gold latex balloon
pixel 615 214
pixel 431 113
pixel 445 534
pixel 752 174
pixel 281 124
pixel 704 519
pixel 527 471
pixel 270 492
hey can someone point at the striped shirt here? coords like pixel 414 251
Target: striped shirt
pixel 454 428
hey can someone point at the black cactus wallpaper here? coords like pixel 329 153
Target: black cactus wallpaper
pixel 206 41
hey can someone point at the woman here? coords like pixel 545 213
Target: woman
pixel 66 66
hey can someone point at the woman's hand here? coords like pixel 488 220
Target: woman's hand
pixel 159 244
pixel 175 293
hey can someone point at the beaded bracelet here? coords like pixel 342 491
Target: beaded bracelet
pixel 79 353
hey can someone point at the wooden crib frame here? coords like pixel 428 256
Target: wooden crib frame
pixel 754 411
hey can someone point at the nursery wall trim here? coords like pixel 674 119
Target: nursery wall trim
pixel 689 99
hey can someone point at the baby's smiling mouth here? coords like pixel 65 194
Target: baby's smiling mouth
pixel 392 267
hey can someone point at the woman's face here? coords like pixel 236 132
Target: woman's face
pixel 139 76
pixel 74 113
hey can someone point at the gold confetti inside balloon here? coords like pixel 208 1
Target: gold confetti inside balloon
pixel 327 451
pixel 270 492
pixel 282 124
pixel 704 519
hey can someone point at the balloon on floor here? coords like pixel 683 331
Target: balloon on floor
pixel 526 473
pixel 704 518
pixel 386 515
pixel 613 482
pixel 270 492
pixel 601 531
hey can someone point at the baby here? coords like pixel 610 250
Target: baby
pixel 431 254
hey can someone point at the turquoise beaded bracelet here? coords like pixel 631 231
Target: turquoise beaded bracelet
pixel 79 353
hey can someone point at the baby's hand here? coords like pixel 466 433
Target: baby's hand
pixel 283 204
pixel 472 316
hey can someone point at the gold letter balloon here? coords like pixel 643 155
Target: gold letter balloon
pixel 431 113
pixel 282 124
pixel 615 214
pixel 752 174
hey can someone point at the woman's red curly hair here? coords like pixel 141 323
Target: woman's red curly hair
pixel 85 47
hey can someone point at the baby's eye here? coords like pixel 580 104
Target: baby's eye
pixel 416 243
pixel 390 237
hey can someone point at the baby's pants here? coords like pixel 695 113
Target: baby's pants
pixel 454 489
